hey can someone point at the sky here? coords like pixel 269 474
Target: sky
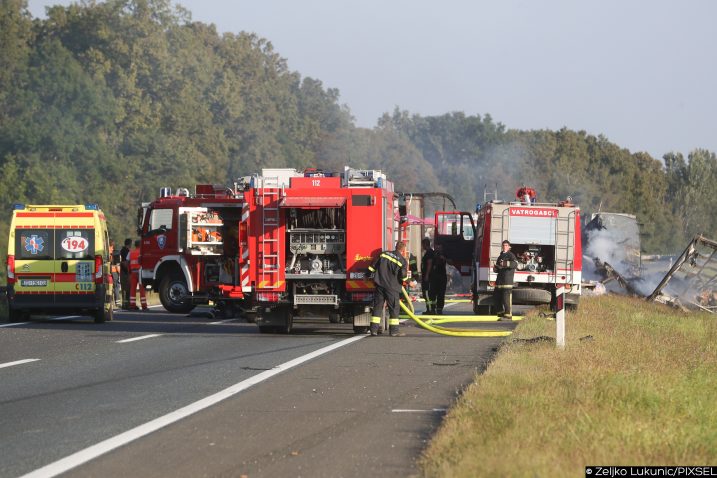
pixel 642 73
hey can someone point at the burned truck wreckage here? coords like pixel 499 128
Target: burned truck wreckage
pixel 612 245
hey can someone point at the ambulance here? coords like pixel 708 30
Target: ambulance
pixel 59 262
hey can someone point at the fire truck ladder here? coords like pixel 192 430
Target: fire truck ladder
pixel 269 239
pixel 565 247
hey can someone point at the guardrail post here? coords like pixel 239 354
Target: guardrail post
pixel 560 317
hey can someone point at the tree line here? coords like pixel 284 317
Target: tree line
pixel 107 102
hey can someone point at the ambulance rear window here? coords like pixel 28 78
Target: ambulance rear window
pixel 75 244
pixel 35 244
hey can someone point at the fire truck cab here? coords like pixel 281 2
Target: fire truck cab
pixel 545 237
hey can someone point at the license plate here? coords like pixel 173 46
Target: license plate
pixel 33 282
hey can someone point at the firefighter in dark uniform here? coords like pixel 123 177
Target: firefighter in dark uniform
pixel 503 294
pixel 390 271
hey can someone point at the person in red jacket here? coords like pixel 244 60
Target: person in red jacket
pixel 135 282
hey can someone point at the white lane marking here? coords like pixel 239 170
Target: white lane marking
pixel 222 321
pixel 124 341
pixel 408 410
pixel 51 318
pixel 17 362
pixel 83 456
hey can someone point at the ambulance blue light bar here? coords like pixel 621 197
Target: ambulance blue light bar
pixel 17 206
pixel 92 207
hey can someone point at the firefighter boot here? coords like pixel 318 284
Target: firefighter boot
pixel 393 330
pixel 375 326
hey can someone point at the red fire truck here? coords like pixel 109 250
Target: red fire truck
pixel 282 244
pixel 545 237
pixel 182 245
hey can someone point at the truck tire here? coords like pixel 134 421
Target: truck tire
pixel 171 289
pixel 104 315
pixel 531 296
pixel 250 317
pixel 288 322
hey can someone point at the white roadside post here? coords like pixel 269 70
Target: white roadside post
pixel 560 317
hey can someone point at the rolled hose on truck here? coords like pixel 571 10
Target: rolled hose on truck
pixel 437 329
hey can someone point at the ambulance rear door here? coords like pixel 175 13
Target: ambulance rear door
pixel 74 262
pixel 34 259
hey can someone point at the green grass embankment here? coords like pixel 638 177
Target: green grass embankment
pixel 641 391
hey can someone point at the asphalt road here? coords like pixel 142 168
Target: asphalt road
pixel 152 394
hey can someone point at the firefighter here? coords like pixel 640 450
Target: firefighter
pixel 503 294
pixel 390 271
pixel 135 282
pixel 426 266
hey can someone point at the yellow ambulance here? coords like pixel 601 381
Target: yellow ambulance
pixel 59 262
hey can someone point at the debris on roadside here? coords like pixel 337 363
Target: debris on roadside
pixel 691 282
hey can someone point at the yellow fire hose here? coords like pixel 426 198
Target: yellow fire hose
pixel 444 319
pixel 445 330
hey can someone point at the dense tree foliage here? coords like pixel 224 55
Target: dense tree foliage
pixel 107 102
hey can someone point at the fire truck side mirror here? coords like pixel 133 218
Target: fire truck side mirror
pixel 140 219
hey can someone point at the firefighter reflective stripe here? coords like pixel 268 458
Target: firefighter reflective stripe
pixel 503 286
pixel 392 322
pixel 134 259
pixel 134 284
pixel 392 259
pixel 375 320
pixel 371 269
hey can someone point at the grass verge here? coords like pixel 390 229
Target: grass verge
pixel 641 391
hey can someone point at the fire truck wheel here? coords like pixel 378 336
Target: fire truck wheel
pixel 334 318
pixel 171 289
pixel 288 322
pixel 250 317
